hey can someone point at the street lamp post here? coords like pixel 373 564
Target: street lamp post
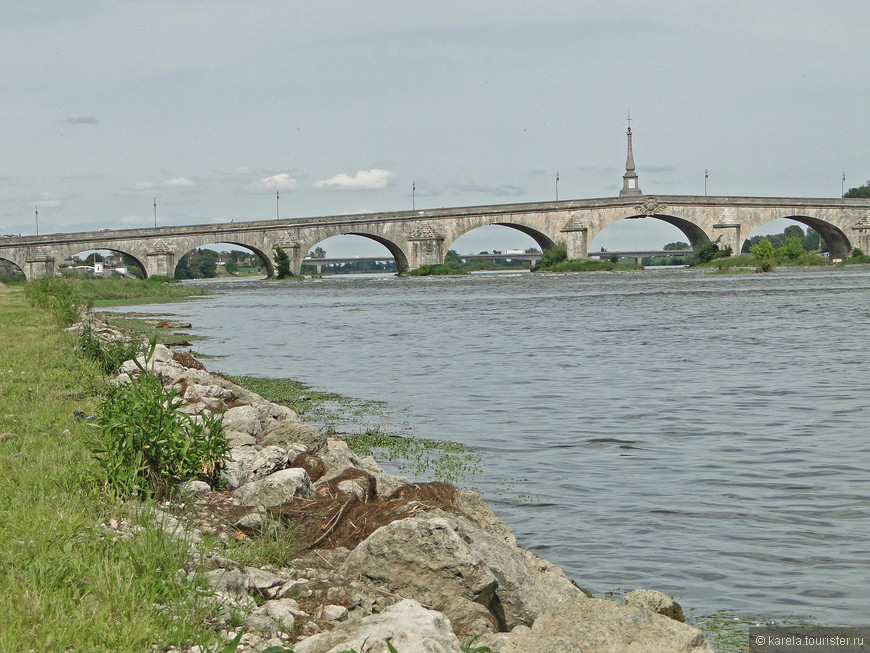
pixel 37 219
pixel 155 213
pixel 706 174
pixel 557 185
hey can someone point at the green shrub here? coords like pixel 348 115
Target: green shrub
pixel 554 255
pixel 62 298
pixel 709 252
pixel 146 446
pixel 108 354
pixel 434 270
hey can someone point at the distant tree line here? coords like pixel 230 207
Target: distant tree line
pixel 810 240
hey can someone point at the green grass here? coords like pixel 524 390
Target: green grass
pixel 374 428
pixel 588 265
pixel 65 582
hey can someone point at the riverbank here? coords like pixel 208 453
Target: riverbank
pixel 126 520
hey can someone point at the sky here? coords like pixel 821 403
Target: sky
pixel 211 107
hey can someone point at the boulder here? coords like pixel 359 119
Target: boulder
pixel 447 562
pixel 598 626
pixel 243 418
pixel 267 461
pixel 338 457
pixel 289 431
pixel 428 560
pixel 658 602
pixel 241 582
pixel 281 487
pixel 407 625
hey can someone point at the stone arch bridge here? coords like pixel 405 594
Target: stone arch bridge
pixel 417 238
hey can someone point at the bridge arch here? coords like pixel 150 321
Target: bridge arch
pixel 694 233
pixel 543 241
pixel 9 269
pixel 192 245
pixel 838 243
pixel 393 248
pixel 68 251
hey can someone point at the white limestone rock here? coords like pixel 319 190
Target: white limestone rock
pixel 598 626
pixel 281 487
pixel 407 625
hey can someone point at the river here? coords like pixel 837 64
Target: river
pixel 703 435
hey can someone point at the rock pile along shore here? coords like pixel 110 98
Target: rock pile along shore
pixel 425 566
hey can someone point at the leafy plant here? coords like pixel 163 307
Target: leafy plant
pixel 554 255
pixel 710 251
pixel 147 445
pixel 109 355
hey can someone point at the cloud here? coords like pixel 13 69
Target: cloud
pixel 80 120
pixel 374 179
pixel 47 203
pixel 178 182
pixel 281 181
pixel 505 190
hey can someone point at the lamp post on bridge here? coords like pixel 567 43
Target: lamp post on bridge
pixel 706 174
pixel 155 213
pixel 843 186
pixel 557 185
pixel 37 219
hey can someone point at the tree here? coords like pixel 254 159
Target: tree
pixel 317 252
pixel 677 245
pixel 231 266
pixel 763 249
pixel 763 252
pixel 452 259
pixel 207 263
pixel 860 191
pixel 554 255
pixel 282 263
pixel 709 251
pixel 792 248
pixel 794 231
pixel 812 241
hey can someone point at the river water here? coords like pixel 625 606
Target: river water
pixel 704 435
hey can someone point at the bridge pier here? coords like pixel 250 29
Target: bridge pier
pixel 726 233
pixel 576 238
pixel 161 260
pixel 39 264
pixel 426 248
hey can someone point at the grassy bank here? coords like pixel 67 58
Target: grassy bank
pixel 67 582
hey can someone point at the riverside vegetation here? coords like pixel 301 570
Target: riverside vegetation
pixel 116 563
